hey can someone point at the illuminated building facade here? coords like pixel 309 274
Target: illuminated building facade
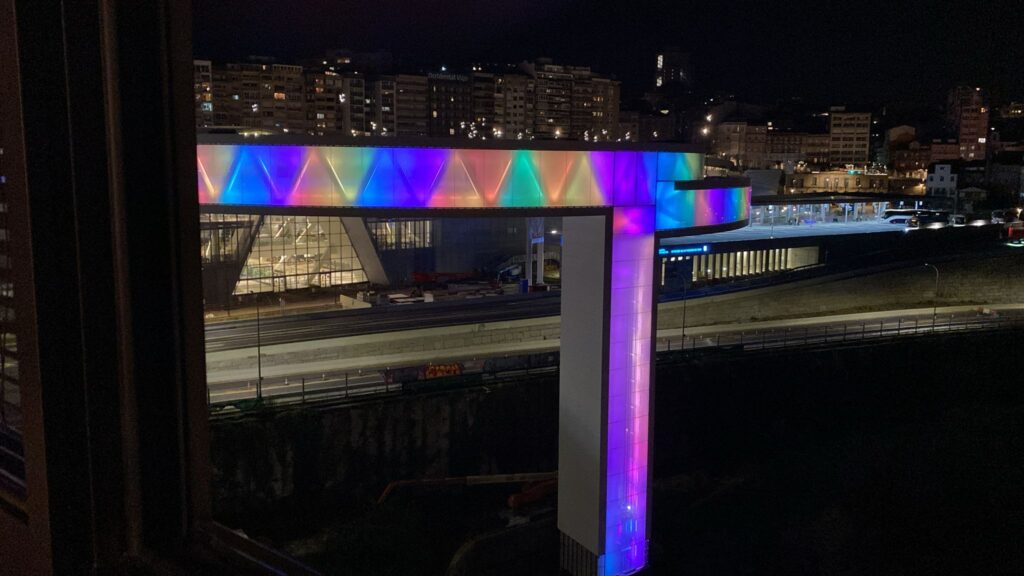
pixel 837 182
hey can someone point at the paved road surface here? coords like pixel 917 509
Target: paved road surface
pixel 762 336
pixel 319 325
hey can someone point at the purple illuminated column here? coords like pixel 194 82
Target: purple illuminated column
pixel 629 379
pixel 604 390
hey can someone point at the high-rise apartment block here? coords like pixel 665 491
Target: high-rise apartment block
pixel 605 110
pixel 411 109
pixel 572 102
pixel 354 101
pixel 967 114
pixel 259 95
pixel 451 105
pixel 553 95
pixel 331 96
pixel 514 105
pixel 484 109
pixel 202 72
pixel 672 69
pixel 849 136
pixel 399 105
pixel 382 120
pixel 324 92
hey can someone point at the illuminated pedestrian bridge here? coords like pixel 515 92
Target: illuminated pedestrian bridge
pixel 615 201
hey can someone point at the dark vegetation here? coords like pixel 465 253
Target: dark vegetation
pixel 901 458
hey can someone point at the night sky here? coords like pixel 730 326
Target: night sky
pixel 824 52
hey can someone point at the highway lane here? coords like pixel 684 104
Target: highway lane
pixel 338 384
pixel 231 335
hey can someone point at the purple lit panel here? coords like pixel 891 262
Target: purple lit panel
pixel 625 183
pixel 629 361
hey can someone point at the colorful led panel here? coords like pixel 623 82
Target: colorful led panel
pixel 681 209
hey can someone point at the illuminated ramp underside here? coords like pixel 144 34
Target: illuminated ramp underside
pixel 622 198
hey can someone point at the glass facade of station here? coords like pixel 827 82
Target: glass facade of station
pixel 225 237
pixel 818 213
pixel 277 253
pixel 295 252
pixel 400 233
pixel 708 268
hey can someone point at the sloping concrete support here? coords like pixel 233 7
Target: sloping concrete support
pixel 365 250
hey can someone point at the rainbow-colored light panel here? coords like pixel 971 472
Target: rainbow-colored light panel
pixel 681 209
pixel 338 176
pixel 639 185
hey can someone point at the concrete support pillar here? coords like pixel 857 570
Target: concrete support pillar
pixel 528 263
pixel 534 271
pixel 538 245
pixel 608 265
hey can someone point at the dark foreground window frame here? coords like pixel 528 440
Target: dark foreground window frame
pixel 116 431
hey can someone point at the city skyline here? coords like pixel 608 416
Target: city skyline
pixel 876 53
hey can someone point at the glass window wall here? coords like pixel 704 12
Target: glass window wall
pixel 296 252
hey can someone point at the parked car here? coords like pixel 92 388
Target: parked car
pixel 1005 216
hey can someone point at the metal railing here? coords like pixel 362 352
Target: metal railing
pixel 324 388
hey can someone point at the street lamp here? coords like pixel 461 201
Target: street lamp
pixel 935 302
pixel 259 359
pixel 686 280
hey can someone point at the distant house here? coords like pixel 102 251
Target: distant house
pixel 941 181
